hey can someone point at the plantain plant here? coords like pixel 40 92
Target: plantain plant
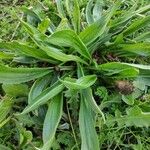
pixel 90 44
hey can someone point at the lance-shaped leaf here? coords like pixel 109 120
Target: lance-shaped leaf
pixel 15 90
pixel 90 33
pixel 140 23
pixel 87 94
pixel 73 11
pixel 52 120
pixel 69 38
pixel 92 16
pixel 37 88
pixel 89 15
pixel 18 75
pixel 43 26
pixel 142 49
pixel 60 8
pixel 26 50
pixel 86 119
pixel 58 55
pixel 118 69
pixel 143 37
pixel 89 136
pixel 31 14
pixel 76 16
pixel 53 52
pixel 81 83
pixel 128 15
pixel 144 70
pixel 45 96
pixel 4 121
pixel 6 55
pixel 97 10
pixel 96 29
pixel 125 69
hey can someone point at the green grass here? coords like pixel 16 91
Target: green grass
pixel 75 75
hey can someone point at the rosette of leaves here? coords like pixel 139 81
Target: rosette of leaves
pixel 72 56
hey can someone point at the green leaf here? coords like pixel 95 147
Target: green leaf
pixel 97 10
pixel 96 29
pixel 73 11
pixel 87 94
pixel 96 14
pixel 90 33
pixel 6 55
pixel 43 26
pixel 42 41
pixel 5 107
pixel 31 13
pixel 4 121
pixel 60 8
pixel 15 90
pixel 86 119
pixel 119 22
pixel 26 50
pixel 58 55
pixel 44 97
pixel 18 75
pixel 140 23
pixel 69 38
pixel 37 88
pixel 128 99
pixel 143 37
pixel 76 16
pixel 25 137
pixel 81 83
pixel 141 83
pixel 118 69
pixel 88 133
pixel 135 117
pixel 124 69
pixel 144 70
pixel 139 66
pixel 89 16
pixel 52 120
pixel 63 25
pixel 141 49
